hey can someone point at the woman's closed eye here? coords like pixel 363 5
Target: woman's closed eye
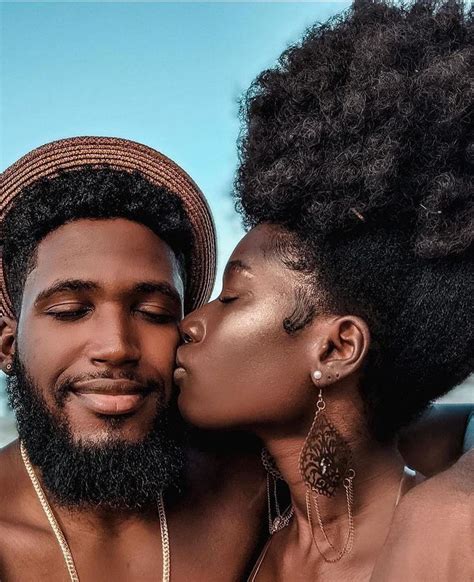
pixel 227 298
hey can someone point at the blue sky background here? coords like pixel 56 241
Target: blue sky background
pixel 165 74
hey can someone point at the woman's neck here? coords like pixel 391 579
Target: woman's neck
pixel 378 468
pixel 374 467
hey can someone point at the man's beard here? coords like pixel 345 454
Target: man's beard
pixel 112 474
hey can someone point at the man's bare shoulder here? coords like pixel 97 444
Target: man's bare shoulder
pixel 12 478
pixel 450 489
pixel 16 511
pixel 9 469
pixel 19 534
pixel 433 528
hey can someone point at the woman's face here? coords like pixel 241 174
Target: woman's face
pixel 239 367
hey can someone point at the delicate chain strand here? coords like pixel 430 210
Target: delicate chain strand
pixel 282 519
pixel 348 486
pixel 311 527
pixel 275 497
pixel 269 504
pixel 273 475
pixel 349 543
pixel 67 555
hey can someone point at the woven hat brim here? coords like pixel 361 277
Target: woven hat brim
pixel 121 154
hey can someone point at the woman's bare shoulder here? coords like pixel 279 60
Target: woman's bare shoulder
pixel 432 533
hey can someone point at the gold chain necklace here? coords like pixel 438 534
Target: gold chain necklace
pixel 67 555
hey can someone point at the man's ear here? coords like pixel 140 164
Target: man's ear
pixel 8 342
pixel 341 348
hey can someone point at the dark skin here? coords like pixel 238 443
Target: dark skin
pixel 432 444
pixel 126 325
pixel 125 303
pixel 261 379
pixel 425 542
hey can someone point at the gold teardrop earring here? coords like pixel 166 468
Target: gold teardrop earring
pixel 324 465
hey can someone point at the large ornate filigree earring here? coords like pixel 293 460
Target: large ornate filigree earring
pixel 280 520
pixel 325 465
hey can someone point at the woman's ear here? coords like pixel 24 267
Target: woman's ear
pixel 8 343
pixel 343 343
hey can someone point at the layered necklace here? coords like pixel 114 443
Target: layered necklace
pixel 61 539
pixel 283 520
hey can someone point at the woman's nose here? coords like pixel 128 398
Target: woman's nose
pixel 192 330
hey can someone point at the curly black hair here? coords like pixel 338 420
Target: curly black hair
pixel 89 192
pixel 359 143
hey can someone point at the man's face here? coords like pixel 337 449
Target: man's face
pixel 98 330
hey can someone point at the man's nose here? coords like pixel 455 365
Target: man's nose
pixel 115 342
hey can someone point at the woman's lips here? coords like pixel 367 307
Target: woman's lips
pixel 180 371
pixel 110 397
pixel 179 374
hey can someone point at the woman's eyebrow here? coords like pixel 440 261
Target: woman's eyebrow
pixel 238 266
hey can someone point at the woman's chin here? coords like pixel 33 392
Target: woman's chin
pixel 195 411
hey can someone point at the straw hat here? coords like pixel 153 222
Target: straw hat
pixel 121 154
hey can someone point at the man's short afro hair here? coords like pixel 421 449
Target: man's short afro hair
pixel 360 144
pixel 88 192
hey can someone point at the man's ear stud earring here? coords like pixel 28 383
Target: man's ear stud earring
pixel 317 375
pixel 8 368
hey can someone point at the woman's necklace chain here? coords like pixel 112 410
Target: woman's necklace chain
pixel 347 548
pixel 350 536
pixel 282 519
pixel 66 551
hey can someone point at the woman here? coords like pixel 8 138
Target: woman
pixel 347 307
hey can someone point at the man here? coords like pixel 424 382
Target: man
pixel 105 242
pixel 421 526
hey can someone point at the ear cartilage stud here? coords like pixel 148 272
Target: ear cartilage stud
pixel 317 374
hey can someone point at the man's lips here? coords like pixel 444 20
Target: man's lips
pixel 110 396
pixel 116 386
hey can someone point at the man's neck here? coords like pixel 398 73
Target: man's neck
pixel 99 520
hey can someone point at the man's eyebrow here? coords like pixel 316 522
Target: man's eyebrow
pixel 73 285
pixel 161 287
pixel 239 266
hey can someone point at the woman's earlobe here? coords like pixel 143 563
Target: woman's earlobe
pixel 317 375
